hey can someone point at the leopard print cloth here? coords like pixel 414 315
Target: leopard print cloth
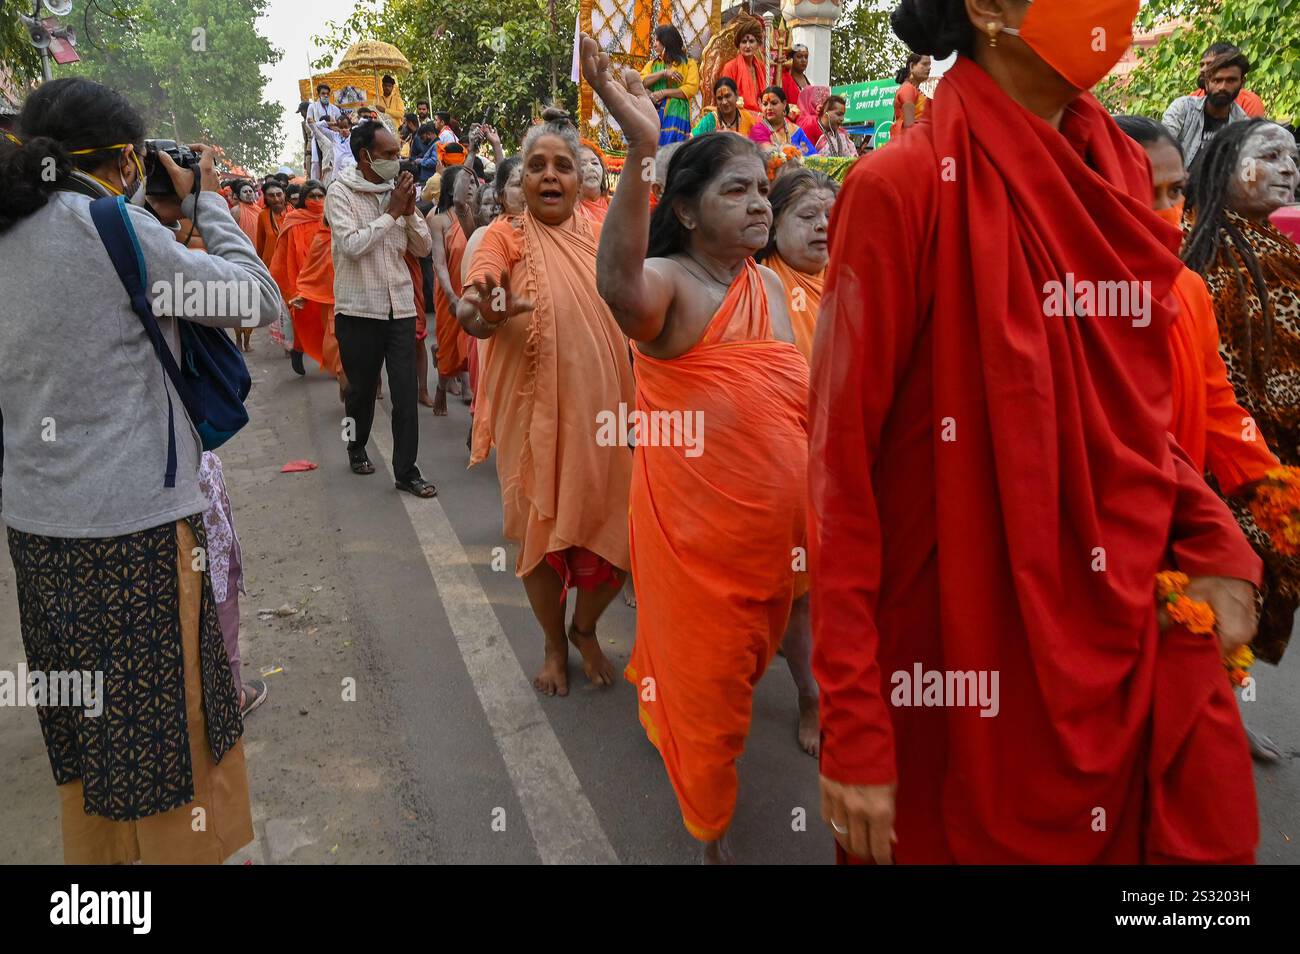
pixel 1268 386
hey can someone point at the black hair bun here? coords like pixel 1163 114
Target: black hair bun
pixel 931 27
pixel 554 114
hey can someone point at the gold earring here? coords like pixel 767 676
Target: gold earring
pixel 994 28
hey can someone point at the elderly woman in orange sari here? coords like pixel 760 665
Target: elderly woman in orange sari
pixel 553 365
pixel 797 251
pixel 720 477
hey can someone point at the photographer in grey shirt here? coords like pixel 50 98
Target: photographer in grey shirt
pixel 106 557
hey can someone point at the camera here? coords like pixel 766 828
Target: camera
pixel 156 179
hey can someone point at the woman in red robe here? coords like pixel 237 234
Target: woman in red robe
pixel 747 69
pixel 993 488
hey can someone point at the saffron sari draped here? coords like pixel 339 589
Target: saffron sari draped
pixel 246 214
pixel 547 377
pixel 803 298
pixel 713 535
pixel 974 467
pixel 287 261
pixel 453 354
pixel 316 284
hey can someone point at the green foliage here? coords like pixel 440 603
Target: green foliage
pixel 1268 32
pixel 16 51
pixel 863 46
pixel 193 68
pixel 450 44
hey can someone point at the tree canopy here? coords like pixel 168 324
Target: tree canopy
pixel 192 67
pixel 1267 31
pixel 863 46
pixel 498 62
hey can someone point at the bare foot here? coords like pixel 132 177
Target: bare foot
pixel 553 678
pixel 594 663
pixel 810 736
pixel 629 592
pixel 466 394
pixel 717 852
pixel 453 385
pixel 439 404
pixel 425 399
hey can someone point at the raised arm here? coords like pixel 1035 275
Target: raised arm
pixel 438 252
pixel 638 295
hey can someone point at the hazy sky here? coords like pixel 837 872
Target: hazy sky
pixel 288 24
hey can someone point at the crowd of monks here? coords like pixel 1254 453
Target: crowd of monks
pixel 938 475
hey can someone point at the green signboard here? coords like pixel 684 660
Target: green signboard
pixel 870 103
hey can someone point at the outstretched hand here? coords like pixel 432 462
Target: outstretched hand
pixel 494 300
pixel 623 94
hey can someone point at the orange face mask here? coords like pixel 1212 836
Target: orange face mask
pixel 1080 39
pixel 1174 214
pixel 316 205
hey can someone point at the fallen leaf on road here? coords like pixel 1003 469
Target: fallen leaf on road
pixel 297 466
pixel 313 631
pixel 286 610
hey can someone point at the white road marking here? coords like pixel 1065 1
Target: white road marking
pixel 564 826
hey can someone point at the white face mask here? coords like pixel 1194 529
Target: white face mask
pixel 386 169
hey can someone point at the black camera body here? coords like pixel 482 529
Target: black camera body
pixel 156 179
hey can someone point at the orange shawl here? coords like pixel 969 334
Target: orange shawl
pixel 452 348
pixel 713 530
pixel 297 230
pixel 546 378
pixel 1207 421
pixel 246 215
pixel 596 209
pixel 314 328
pixel 750 83
pixel 267 230
pixel 803 297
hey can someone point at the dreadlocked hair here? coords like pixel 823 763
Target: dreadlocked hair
pixel 1214 232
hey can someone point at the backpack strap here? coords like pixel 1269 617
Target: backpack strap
pixel 115 230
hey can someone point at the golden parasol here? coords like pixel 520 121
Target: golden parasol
pixel 374 56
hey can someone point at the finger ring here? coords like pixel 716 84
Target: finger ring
pixel 838 829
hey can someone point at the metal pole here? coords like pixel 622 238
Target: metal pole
pixel 46 72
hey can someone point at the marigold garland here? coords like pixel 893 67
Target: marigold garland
pixel 778 156
pixel 1276 508
pixel 1197 616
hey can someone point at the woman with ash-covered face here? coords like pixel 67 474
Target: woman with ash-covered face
pixel 1243 176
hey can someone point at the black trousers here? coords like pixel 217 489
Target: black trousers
pixel 365 346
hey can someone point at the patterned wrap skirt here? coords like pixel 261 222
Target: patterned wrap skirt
pixel 114 605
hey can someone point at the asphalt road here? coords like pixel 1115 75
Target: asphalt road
pixel 447 754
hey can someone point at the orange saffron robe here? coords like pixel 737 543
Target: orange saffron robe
pixel 316 284
pixel 287 263
pixel 803 297
pixel 268 227
pixel 453 353
pixel 547 378
pixel 750 79
pixel 713 530
pixel 1208 423
pixel 246 215
pixel 596 209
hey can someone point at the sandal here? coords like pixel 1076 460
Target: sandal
pixel 361 465
pixel 417 487
pixel 254 696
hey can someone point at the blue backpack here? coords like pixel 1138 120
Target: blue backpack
pixel 212 379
